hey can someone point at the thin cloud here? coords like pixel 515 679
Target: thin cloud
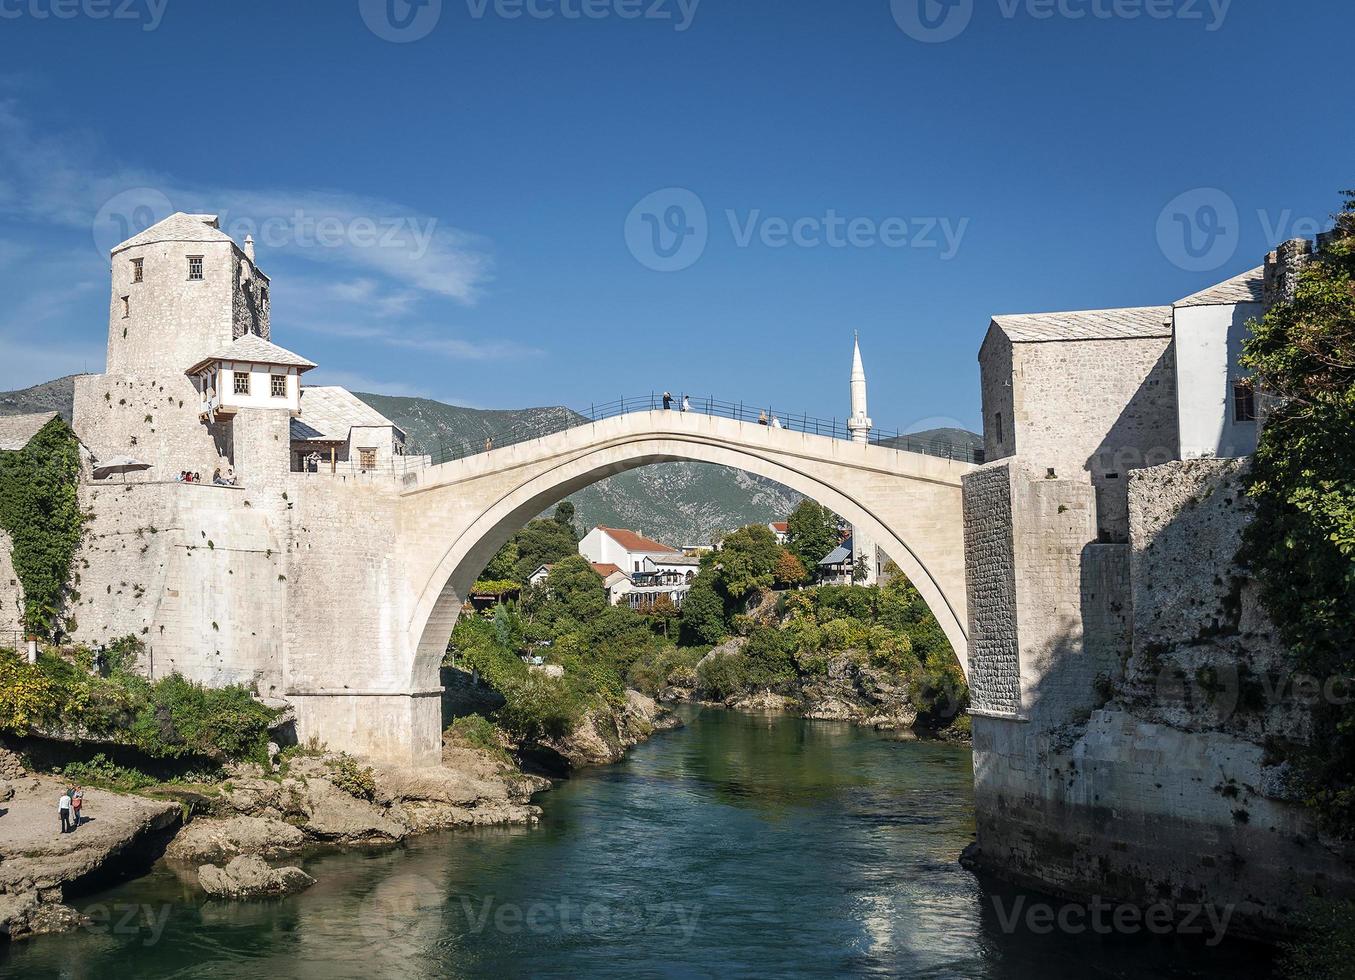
pixel 53 179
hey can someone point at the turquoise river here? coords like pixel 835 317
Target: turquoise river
pixel 738 846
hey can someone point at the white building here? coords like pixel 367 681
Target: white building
pixel 625 549
pixel 638 569
pixel 249 372
pixel 339 432
pixel 1216 407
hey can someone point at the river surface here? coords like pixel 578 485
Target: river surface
pixel 740 846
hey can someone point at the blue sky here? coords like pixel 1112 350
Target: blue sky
pixel 504 206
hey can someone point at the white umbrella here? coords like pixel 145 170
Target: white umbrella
pixel 118 464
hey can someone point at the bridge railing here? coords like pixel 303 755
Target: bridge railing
pixel 835 428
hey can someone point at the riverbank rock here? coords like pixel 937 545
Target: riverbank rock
pixel 208 840
pixel 248 876
pixel 603 737
pixel 39 864
pixel 763 702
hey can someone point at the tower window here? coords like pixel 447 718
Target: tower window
pixel 279 385
pixel 366 459
pixel 1244 401
pixel 241 382
pixel 137 270
pixel 997 428
pixel 126 307
pixel 195 267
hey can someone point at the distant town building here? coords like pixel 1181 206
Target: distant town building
pixel 781 529
pixel 637 569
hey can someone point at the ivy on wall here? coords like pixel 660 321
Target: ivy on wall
pixel 1302 543
pixel 40 511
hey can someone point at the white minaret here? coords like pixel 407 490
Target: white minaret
pixel 859 424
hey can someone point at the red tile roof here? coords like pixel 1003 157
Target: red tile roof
pixel 635 542
pixel 782 526
pixel 605 568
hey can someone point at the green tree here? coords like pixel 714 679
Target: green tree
pixel 564 515
pixel 704 620
pixel 1301 543
pixel 747 560
pixel 811 533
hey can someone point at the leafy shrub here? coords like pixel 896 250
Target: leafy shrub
pixel 101 771
pixel 353 779
pixel 475 731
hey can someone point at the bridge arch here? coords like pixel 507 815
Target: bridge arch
pixel 461 513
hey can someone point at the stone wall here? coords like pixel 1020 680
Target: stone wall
pixel 1086 409
pixel 1139 771
pixel 11 593
pixel 151 419
pixel 990 582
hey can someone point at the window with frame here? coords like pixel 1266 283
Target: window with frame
pixel 278 384
pixel 195 268
pixel 240 382
pixel 138 270
pixel 126 307
pixel 1244 400
pixel 366 459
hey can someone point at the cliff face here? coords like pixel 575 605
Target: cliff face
pixel 1166 786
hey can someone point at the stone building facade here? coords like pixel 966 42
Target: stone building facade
pixel 1109 379
pixel 1120 729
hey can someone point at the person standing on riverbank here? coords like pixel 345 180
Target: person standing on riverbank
pixel 77 805
pixel 63 809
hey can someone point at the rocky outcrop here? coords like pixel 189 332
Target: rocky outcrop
pixel 604 736
pixel 208 840
pixel 39 865
pixel 315 801
pixel 248 876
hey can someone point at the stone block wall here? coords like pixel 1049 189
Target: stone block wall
pixel 990 581
pixel 151 419
pixel 1157 785
pixel 11 592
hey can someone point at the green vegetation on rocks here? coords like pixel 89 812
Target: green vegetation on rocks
pixel 73 697
pixel 1301 544
pixel 40 510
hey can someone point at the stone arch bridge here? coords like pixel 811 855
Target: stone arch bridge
pixel 451 518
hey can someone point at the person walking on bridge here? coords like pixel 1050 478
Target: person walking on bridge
pixel 667 401
pixel 686 404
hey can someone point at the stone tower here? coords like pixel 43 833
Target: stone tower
pixel 859 424
pixel 181 290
